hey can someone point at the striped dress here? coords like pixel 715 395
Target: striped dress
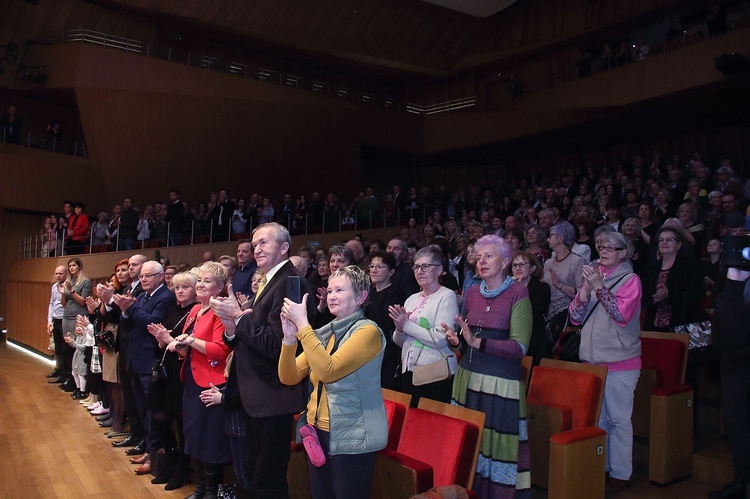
pixel 494 385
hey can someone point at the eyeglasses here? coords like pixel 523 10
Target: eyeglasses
pixel 148 276
pixel 554 234
pixel 608 249
pixel 520 265
pixel 667 239
pixel 378 267
pixel 425 267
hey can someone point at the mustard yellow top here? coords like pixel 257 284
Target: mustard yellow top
pixel 317 362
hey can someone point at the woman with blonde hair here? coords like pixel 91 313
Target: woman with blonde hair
pixel 205 354
pixel 341 358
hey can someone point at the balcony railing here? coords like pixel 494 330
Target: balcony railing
pixel 40 140
pixel 195 232
pixel 247 70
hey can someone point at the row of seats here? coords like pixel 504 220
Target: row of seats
pixel 563 405
pixel 438 444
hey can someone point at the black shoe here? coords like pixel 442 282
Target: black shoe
pixel 137 450
pixel 69 386
pixel 81 395
pixel 103 417
pixel 164 464
pixel 59 379
pixel 107 423
pixel 735 490
pixel 54 374
pixel 75 393
pixel 129 441
pixel 181 473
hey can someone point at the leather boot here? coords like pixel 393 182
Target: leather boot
pixel 213 476
pixel 200 481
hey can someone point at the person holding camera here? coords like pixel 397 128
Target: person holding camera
pixel 731 337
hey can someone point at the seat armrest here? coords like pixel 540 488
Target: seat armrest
pixel 398 475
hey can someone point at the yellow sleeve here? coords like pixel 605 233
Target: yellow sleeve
pixel 362 346
pixel 291 370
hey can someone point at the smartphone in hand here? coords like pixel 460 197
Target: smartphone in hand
pixel 293 289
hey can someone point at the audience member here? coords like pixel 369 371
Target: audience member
pixel 11 125
pixel 256 339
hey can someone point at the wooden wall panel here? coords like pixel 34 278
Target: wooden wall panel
pixel 26 313
pixel 688 69
pixel 29 281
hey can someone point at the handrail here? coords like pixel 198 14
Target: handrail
pixel 82 35
pixel 40 140
pixel 44 246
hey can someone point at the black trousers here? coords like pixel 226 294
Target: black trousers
pixel 268 449
pixel 440 390
pixel 63 351
pixel 343 476
pixel 735 395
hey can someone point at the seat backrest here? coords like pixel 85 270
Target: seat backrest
pixel 475 417
pixel 443 442
pixel 396 404
pixel 395 413
pixel 527 364
pixel 665 353
pixel 597 370
pixel 579 391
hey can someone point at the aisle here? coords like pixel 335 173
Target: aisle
pixel 50 446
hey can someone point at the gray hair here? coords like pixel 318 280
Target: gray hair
pixel 617 240
pixel 566 230
pixel 431 252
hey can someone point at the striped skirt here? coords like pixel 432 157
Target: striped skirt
pixel 503 464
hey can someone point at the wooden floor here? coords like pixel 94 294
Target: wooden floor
pixel 51 447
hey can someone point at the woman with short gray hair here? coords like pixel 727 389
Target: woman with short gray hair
pixel 564 274
pixel 419 331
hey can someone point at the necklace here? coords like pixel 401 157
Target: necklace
pixel 566 256
pixel 489 303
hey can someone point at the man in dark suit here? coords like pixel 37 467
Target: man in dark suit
pixel 150 307
pixel 403 278
pixel 256 337
pixel 221 214
pixel 175 217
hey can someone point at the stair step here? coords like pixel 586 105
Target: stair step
pixel 714 463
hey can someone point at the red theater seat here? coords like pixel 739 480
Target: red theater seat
pixel 663 406
pixel 567 448
pixel 435 449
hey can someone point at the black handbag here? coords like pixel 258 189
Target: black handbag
pixel 570 343
pixel 158 371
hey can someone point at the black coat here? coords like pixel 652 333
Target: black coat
pixel 686 291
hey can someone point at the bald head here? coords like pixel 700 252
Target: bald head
pixel 299 263
pixel 135 263
pixel 356 248
pixel 60 274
